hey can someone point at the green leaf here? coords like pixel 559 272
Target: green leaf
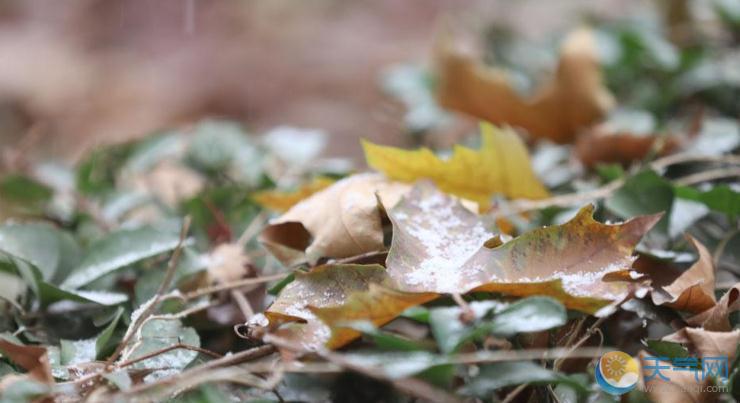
pixel 147 153
pixel 450 332
pixel 77 351
pixel 721 198
pixel 96 175
pixel 157 334
pixel 190 263
pixel 533 314
pixel 118 250
pixel 500 375
pixel 386 340
pixel 643 193
pixel 24 390
pixel 275 289
pixel 48 293
pixel 103 340
pixel 667 349
pixel 397 365
pixel 222 147
pixel 232 201
pixel 21 189
pixel 46 247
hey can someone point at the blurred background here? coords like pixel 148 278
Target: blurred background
pixel 78 73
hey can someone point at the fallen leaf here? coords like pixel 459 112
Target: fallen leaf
pixel 717 318
pixel 282 201
pixel 438 246
pixel 340 221
pixel 501 165
pixel 693 290
pixel 574 98
pixel 624 148
pixel 33 359
pixel 705 343
pixel 331 294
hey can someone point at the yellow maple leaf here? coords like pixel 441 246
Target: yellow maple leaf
pixel 282 201
pixel 501 165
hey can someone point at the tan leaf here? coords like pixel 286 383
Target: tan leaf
pixel 169 181
pixel 599 146
pixel 342 220
pixel 717 318
pixel 282 201
pixel 228 262
pixel 574 98
pixel 331 294
pixel 33 359
pixel 438 246
pixel 693 290
pixel 705 343
pixel 501 165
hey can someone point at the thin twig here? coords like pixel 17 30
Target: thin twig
pixel 163 287
pixel 514 393
pixel 570 199
pixel 231 285
pixel 211 367
pixel 590 332
pixel 167 350
pixel 708 175
pixel 467 315
pixel 243 303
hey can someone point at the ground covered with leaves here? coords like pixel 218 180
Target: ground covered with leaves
pixel 595 209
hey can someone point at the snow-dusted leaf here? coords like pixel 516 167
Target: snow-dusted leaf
pixel 118 250
pixel 439 246
pixel 331 295
pixel 157 334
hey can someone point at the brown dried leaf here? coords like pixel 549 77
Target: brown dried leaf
pixel 717 318
pixel 33 359
pixel 341 221
pixel 331 294
pixel 438 246
pixel 602 147
pixel 573 99
pixel 693 290
pixel 705 343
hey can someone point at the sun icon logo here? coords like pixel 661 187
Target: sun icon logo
pixel 617 372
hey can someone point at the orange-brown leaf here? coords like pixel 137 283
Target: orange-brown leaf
pixel 331 294
pixel 438 246
pixel 574 98
pixel 33 359
pixel 693 290
pixel 717 318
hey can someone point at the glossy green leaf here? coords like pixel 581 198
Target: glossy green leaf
pixel 721 198
pixel 118 250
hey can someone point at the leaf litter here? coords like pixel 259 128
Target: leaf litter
pixel 438 275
